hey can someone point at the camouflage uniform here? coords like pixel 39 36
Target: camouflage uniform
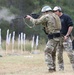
pixel 48 21
pixel 67 45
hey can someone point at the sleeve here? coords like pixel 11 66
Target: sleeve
pixel 40 20
pixel 69 21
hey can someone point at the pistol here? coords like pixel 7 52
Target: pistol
pixel 35 16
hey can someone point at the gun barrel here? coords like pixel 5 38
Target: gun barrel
pixel 35 16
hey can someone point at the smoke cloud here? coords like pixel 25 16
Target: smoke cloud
pixel 5 14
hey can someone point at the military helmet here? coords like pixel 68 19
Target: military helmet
pixel 57 8
pixel 46 8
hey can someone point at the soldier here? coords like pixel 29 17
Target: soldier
pixel 52 25
pixel 66 29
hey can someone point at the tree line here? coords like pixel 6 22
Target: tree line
pixel 24 7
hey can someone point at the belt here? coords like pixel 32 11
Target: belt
pixel 54 35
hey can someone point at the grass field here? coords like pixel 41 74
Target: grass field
pixel 30 64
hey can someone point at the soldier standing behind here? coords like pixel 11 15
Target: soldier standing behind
pixel 52 25
pixel 66 29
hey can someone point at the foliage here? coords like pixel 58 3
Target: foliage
pixel 24 7
pixel 4 25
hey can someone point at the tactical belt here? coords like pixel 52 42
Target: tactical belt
pixel 54 35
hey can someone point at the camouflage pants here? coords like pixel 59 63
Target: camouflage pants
pixel 68 47
pixel 50 53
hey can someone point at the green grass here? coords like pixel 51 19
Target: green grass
pixel 27 46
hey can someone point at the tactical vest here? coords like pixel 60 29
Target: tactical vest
pixel 53 23
pixel 57 21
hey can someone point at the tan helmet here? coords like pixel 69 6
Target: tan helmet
pixel 57 8
pixel 46 8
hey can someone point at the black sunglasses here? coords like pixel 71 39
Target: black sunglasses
pixel 54 11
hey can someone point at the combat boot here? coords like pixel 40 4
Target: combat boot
pixel 51 70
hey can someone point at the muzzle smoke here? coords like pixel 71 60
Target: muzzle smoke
pixel 5 14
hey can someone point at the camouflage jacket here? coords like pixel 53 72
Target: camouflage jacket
pixel 50 22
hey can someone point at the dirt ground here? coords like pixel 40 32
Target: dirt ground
pixel 30 64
